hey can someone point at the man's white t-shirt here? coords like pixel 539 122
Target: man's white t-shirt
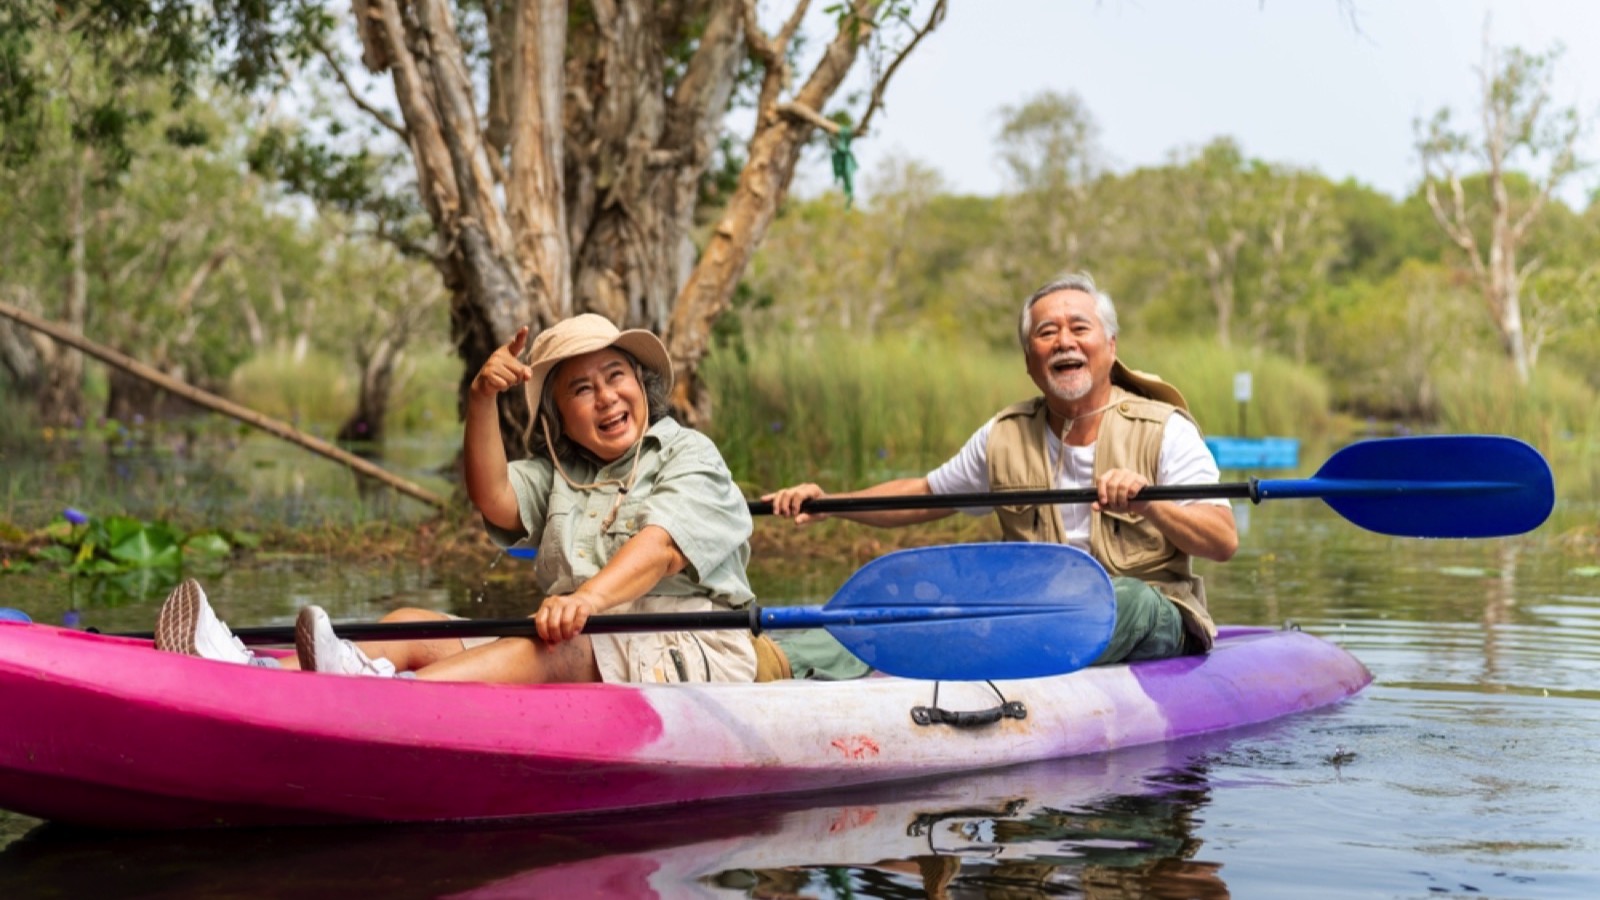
pixel 1184 459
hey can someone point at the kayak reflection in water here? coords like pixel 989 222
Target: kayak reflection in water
pixel 1097 424
pixel 631 512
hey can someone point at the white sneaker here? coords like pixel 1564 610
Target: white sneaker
pixel 320 650
pixel 187 625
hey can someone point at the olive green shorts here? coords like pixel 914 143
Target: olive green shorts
pixel 818 655
pixel 1149 625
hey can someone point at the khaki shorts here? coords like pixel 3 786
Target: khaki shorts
pixel 675 656
pixel 665 657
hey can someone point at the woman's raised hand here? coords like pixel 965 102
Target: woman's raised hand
pixel 504 369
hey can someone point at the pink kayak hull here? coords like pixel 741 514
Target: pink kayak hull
pixel 105 731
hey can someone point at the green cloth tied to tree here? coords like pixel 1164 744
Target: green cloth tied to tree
pixel 844 162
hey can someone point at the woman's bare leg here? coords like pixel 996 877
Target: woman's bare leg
pixel 515 660
pixel 410 656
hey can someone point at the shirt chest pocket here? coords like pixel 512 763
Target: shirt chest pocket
pixel 628 522
pixel 558 524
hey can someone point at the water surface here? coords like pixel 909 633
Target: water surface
pixel 1470 768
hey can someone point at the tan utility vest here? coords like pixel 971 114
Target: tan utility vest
pixel 1129 438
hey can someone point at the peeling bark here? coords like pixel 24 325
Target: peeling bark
pixel 575 183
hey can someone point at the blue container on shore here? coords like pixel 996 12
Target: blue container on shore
pixel 1255 453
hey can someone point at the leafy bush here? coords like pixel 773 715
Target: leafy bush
pixel 102 546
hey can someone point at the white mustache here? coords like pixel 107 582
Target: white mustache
pixel 1068 356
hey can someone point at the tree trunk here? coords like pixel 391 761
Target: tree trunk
pixel 1516 115
pixel 60 395
pixel 366 424
pixel 20 358
pixel 130 398
pixel 574 187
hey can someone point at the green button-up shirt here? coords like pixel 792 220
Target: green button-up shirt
pixel 683 485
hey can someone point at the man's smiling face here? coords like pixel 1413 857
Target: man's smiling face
pixel 1069 353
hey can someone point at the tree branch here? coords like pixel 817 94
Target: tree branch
pixel 382 117
pixel 434 184
pixel 771 51
pixel 218 404
pixel 935 16
pixel 807 114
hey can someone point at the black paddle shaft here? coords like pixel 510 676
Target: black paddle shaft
pixel 711 620
pixel 1245 490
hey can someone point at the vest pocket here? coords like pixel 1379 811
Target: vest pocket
pixel 1020 523
pixel 1132 542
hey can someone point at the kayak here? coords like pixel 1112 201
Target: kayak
pixel 1128 810
pixel 104 731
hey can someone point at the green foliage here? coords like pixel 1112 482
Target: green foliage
pixel 847 411
pixel 125 560
pixel 316 390
pixel 1378 233
pixel 1386 340
pixel 425 399
pixel 1286 398
pixel 349 182
pixel 1482 396
pixel 115 544
pixel 911 257
pixel 134 44
pixel 307 389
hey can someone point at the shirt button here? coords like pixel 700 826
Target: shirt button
pixel 582 555
pixel 592 513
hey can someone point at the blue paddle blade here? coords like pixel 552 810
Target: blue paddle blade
pixel 1441 486
pixel 976 611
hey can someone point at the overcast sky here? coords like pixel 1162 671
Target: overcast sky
pixel 1294 81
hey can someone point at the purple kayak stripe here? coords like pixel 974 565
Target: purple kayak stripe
pixel 1289 673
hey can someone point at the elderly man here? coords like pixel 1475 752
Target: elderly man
pixel 1097 424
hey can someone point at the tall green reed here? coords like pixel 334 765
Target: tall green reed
pixel 846 411
pixel 1285 399
pixel 1556 408
pixel 320 392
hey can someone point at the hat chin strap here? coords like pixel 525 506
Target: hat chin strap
pixel 623 484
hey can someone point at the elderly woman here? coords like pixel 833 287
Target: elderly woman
pixel 631 512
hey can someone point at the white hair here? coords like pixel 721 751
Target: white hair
pixel 1075 281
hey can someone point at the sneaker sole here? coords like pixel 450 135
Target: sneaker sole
pixel 305 644
pixel 180 616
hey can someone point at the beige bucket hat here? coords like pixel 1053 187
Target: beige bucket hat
pixel 1147 385
pixel 587 333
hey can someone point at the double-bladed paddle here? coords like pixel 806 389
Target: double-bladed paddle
pixel 960 612
pixel 1436 486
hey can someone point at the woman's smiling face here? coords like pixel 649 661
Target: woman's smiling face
pixel 602 403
